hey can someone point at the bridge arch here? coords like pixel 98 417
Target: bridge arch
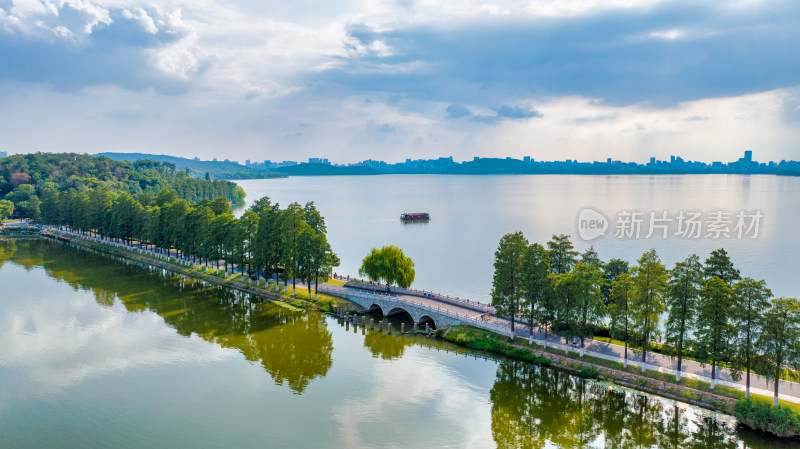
pixel 375 308
pixel 427 319
pixel 398 311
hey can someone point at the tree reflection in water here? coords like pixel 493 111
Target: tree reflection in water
pixel 535 407
pixel 293 347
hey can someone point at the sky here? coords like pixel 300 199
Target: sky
pixel 390 80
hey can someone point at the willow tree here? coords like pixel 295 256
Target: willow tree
pixel 685 283
pixel 751 300
pixel 649 285
pixel 780 340
pixel 507 282
pixel 388 264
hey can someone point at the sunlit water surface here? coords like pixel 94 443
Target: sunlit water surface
pixel 99 352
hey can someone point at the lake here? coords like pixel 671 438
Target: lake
pixel 454 252
pixel 97 351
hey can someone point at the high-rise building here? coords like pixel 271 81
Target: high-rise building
pixel 748 156
pixel 3 154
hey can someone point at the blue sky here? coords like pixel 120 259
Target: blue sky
pixel 388 80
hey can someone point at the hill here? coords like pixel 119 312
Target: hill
pixel 24 177
pixel 197 168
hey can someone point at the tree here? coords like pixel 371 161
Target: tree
pixel 714 329
pixel 267 246
pixel 720 265
pixel 388 264
pixel 585 305
pixel 6 209
pixel 779 341
pixel 537 289
pixel 562 255
pixel 685 283
pixel 507 281
pixel 620 310
pixel 649 284
pixel 292 220
pixel 751 299
pixel 611 271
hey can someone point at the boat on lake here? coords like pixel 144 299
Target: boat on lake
pixel 415 216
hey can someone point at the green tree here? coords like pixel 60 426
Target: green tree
pixel 715 331
pixel 390 265
pixel 267 246
pixel 779 341
pixel 751 299
pixel 685 283
pixel 49 207
pixel 585 306
pixel 720 265
pixel 507 282
pixel 537 289
pixel 562 255
pixel 292 221
pixel 611 271
pixel 649 285
pixel 6 209
pixel 620 310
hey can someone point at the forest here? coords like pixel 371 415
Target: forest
pixel 26 178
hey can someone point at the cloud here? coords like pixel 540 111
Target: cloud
pixel 507 112
pixel 696 118
pixel 457 111
pixel 517 112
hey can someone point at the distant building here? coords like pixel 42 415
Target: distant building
pixel 215 159
pixel 317 160
pixel 3 154
pixel 748 156
pixel 476 159
pixel 608 161
pixel 196 158
pixel 247 162
pixel 527 159
pixel 652 161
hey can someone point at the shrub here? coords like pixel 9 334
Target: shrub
pixel 778 421
pixel 589 372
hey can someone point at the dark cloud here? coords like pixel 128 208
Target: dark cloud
pixel 621 57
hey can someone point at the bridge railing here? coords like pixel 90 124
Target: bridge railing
pixel 466 303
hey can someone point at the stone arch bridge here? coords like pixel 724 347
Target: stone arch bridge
pixel 422 310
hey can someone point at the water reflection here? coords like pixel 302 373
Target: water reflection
pixel 537 408
pixel 294 348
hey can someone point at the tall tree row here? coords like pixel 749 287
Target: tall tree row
pixel 265 241
pixel 706 310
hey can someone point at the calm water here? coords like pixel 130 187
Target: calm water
pixel 99 352
pixel 454 252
